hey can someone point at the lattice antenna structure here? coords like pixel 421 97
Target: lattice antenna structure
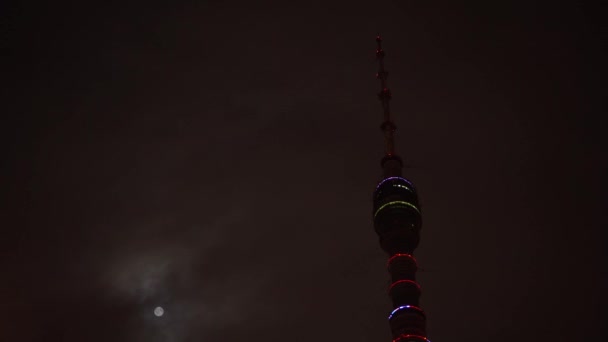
pixel 391 163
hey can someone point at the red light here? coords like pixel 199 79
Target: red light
pixel 402 337
pixel 399 255
pixel 403 281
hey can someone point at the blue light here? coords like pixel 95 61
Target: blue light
pixel 412 307
pixel 394 178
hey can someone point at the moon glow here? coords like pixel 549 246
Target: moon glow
pixel 158 311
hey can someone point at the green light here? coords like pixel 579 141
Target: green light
pixel 407 204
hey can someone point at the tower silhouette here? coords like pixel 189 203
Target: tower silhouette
pixel 397 221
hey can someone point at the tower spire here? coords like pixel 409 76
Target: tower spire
pixel 391 163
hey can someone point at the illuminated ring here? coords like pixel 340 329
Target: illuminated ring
pixel 407 204
pixel 398 255
pixel 412 191
pixel 418 337
pixel 401 282
pixel 393 178
pixel 406 307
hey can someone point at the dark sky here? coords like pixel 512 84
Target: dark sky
pixel 218 158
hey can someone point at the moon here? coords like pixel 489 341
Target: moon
pixel 158 311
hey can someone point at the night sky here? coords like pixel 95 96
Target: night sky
pixel 218 159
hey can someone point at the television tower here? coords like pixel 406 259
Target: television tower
pixel 397 221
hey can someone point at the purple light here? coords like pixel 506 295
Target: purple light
pixel 412 307
pixel 393 178
pixel 402 337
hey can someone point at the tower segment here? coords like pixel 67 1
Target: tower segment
pixel 397 221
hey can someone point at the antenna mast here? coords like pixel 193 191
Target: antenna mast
pixel 392 168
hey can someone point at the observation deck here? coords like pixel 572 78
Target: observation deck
pixel 397 217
